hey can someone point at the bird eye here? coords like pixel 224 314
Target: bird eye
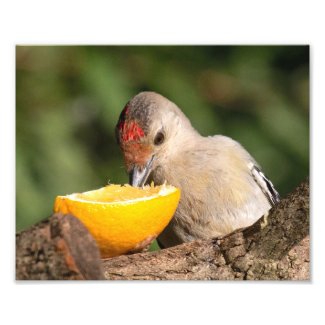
pixel 159 138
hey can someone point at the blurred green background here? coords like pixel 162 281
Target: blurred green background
pixel 68 99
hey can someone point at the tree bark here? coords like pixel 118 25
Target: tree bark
pixel 275 247
pixel 59 248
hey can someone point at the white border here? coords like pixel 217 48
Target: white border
pixel 164 22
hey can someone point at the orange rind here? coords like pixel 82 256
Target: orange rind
pixel 122 219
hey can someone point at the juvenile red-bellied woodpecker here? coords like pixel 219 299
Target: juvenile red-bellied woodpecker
pixel 222 187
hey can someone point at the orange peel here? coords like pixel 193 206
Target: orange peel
pixel 122 218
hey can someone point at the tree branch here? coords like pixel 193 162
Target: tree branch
pixel 275 247
pixel 59 248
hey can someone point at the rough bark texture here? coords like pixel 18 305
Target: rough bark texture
pixel 275 247
pixel 59 248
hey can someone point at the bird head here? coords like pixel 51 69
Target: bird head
pixel 147 132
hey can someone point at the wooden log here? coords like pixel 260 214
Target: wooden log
pixel 275 247
pixel 59 248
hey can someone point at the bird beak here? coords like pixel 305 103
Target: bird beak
pixel 139 175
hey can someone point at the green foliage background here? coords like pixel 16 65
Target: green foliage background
pixel 68 99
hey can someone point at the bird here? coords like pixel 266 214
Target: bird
pixel 222 187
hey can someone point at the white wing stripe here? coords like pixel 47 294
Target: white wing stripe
pixel 265 185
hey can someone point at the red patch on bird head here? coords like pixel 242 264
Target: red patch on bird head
pixel 129 130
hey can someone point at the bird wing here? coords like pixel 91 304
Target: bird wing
pixel 265 185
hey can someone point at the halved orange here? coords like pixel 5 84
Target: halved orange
pixel 122 218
